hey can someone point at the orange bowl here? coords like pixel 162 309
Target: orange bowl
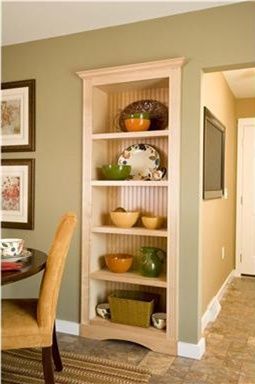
pixel 118 262
pixel 136 125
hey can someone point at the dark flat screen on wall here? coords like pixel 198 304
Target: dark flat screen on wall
pixel 214 157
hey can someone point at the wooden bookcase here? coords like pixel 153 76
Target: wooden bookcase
pixel 105 92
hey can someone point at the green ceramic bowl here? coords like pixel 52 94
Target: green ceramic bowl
pixel 116 172
pixel 138 115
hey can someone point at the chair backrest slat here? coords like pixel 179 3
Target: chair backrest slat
pixel 51 280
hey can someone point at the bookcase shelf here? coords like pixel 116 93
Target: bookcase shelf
pixel 134 231
pixel 128 183
pixel 130 278
pixel 106 92
pixel 130 135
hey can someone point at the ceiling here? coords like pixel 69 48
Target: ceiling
pixel 35 20
pixel 241 82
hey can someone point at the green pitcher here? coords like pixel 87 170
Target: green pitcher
pixel 151 261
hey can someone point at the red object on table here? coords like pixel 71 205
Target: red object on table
pixel 10 266
pixel 33 264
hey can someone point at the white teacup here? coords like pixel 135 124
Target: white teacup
pixel 103 310
pixel 157 174
pixel 159 320
pixel 11 247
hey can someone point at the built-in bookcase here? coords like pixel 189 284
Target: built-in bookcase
pixel 106 92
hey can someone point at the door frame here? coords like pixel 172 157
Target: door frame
pixel 239 181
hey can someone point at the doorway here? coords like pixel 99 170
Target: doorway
pixel 228 102
pixel 245 207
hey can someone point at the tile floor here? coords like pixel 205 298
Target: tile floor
pixel 230 352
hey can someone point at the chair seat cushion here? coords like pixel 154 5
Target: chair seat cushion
pixel 19 325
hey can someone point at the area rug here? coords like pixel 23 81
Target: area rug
pixel 24 366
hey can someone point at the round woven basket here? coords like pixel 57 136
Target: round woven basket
pixel 157 111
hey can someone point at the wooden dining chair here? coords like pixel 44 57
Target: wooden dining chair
pixel 30 323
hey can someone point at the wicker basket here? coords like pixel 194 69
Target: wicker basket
pixel 132 307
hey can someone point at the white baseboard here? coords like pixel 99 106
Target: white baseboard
pixel 214 306
pixel 236 273
pixel 211 313
pixel 69 327
pixel 192 351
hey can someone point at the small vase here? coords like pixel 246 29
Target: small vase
pixel 151 261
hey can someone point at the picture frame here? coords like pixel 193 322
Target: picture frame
pixel 17 191
pixel 213 157
pixel 18 116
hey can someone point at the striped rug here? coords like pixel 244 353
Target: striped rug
pixel 24 366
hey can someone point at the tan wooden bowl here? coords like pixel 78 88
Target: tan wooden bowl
pixel 153 222
pixel 124 219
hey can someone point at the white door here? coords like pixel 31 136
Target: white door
pixel 245 234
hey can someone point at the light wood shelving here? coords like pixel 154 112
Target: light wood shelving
pixel 130 135
pixel 134 231
pixel 130 278
pixel 149 337
pixel 105 93
pixel 128 183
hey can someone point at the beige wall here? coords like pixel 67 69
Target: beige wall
pixel 245 107
pixel 208 39
pixel 218 215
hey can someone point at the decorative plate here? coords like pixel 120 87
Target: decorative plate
pixel 23 256
pixel 143 159
pixel 158 113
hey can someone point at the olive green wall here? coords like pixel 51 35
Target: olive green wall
pixel 212 39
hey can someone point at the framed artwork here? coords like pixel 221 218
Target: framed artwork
pixel 18 116
pixel 214 157
pixel 17 190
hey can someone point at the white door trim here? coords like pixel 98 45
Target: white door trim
pixel 239 181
